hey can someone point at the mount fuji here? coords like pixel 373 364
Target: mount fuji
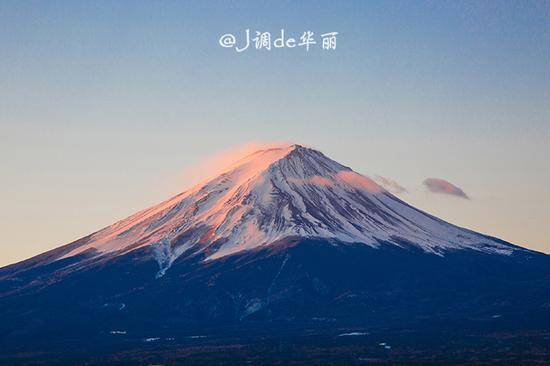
pixel 285 247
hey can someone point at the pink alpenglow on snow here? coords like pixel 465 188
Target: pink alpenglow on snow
pixel 315 180
pixel 437 185
pixel 321 181
pixel 226 160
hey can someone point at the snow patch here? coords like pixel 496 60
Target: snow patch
pixel 152 339
pixel 352 334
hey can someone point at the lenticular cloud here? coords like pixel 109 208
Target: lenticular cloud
pixel 437 185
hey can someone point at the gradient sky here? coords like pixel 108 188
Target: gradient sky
pixel 106 107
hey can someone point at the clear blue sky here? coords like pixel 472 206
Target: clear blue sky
pixel 104 105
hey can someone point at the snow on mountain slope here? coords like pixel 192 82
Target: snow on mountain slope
pixel 277 193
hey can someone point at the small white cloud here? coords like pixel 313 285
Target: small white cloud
pixel 390 185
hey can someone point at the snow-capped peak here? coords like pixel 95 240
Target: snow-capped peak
pixel 276 193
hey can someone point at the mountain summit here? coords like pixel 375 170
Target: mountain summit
pixel 285 247
pixel 277 193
